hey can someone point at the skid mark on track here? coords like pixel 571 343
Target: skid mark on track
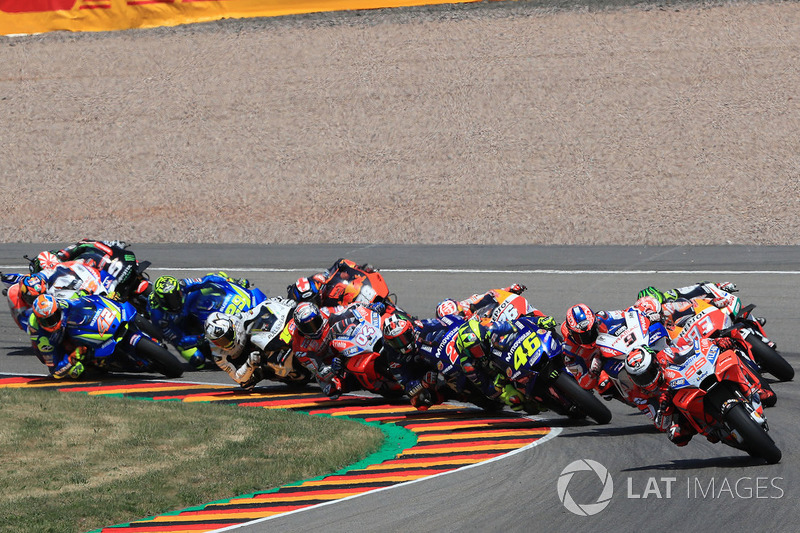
pixel 417 445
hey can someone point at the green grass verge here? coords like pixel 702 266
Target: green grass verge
pixel 73 462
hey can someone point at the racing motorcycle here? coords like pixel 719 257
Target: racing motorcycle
pixel 743 326
pixel 348 283
pixel 507 306
pixel 439 351
pixel 636 331
pixel 533 360
pixel 270 335
pixel 224 297
pixel 357 339
pixel 66 280
pixel 114 334
pixel 710 390
pixel 128 278
pixel 710 321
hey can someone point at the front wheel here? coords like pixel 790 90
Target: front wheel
pixel 770 360
pixel 583 399
pixel 755 439
pixel 162 361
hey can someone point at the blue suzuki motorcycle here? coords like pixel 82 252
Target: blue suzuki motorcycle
pixel 114 334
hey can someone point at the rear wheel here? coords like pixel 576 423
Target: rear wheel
pixel 583 399
pixel 770 360
pixel 755 439
pixel 162 361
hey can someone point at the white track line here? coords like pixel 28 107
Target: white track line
pixel 20 268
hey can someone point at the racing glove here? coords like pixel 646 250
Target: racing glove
pixel 378 307
pixel 547 322
pixel 725 343
pixel 422 400
pixel 254 359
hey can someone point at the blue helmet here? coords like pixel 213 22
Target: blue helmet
pixel 304 290
pixel 30 287
pixel 581 324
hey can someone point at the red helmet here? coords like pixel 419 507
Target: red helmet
pixel 648 305
pixel 448 307
pixel 400 334
pixel 581 324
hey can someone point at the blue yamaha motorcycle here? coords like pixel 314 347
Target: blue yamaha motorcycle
pixel 533 359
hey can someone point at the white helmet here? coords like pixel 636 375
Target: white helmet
pixel 220 330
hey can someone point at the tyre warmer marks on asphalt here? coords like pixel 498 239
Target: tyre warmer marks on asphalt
pixel 417 445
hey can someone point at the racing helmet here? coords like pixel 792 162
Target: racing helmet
pixel 643 368
pixel 46 260
pixel 309 320
pixel 399 334
pixel 648 305
pixel 470 338
pixel 581 324
pixel 448 307
pixel 220 330
pixel 304 290
pixel 30 287
pixel 651 291
pixel 48 312
pixel 167 294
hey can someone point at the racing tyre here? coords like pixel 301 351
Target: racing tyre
pixel 584 399
pixel 163 361
pixel 755 440
pixel 770 360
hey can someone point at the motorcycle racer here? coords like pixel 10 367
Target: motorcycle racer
pixel 63 280
pixel 416 373
pixel 467 308
pixel 651 396
pixel 473 346
pixel 698 290
pixel 22 294
pixel 172 307
pixel 233 346
pixel 311 336
pixel 74 251
pixel 312 330
pixel 47 331
pixel 580 329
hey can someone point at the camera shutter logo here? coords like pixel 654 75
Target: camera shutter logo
pixel 586 509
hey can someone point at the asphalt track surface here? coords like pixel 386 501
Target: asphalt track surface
pixel 656 486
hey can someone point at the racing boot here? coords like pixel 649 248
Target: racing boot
pixel 680 435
